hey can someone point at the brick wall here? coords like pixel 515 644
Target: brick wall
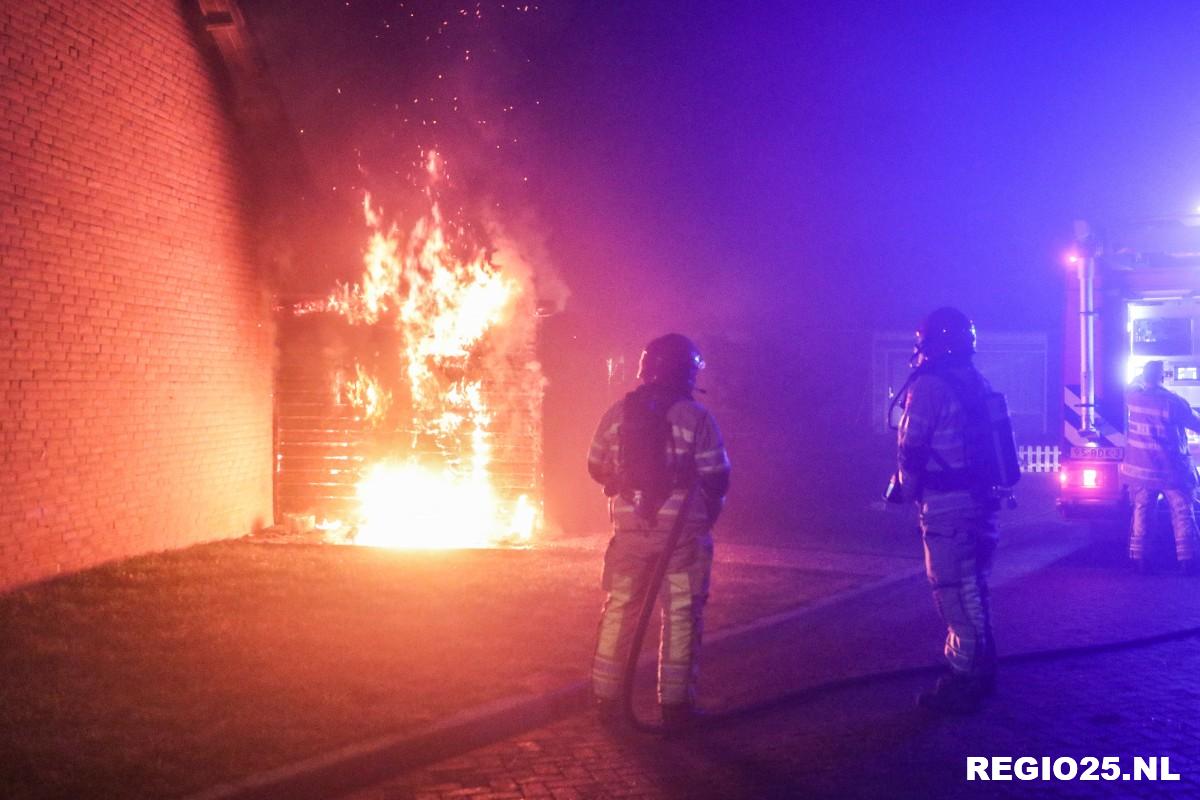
pixel 137 342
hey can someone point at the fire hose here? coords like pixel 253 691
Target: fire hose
pixel 652 590
pixel 660 572
pixel 883 676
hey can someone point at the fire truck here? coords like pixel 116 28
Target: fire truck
pixel 1137 299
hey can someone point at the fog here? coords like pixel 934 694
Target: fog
pixel 781 181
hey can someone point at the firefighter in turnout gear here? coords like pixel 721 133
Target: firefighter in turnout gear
pixel 1157 461
pixel 649 452
pixel 957 515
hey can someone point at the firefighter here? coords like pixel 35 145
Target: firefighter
pixel 1157 461
pixel 957 513
pixel 648 451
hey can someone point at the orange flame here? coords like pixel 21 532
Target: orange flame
pixel 364 392
pixel 444 298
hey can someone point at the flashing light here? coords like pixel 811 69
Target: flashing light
pixel 1072 258
pixel 1091 479
pixel 1133 369
pixel 1063 476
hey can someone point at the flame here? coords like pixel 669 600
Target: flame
pixel 404 503
pixel 444 297
pixel 365 393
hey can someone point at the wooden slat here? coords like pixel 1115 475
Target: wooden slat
pixel 322 445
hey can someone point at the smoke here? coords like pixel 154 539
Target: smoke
pixel 369 86
pixel 520 250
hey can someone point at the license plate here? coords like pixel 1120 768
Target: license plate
pixel 1099 453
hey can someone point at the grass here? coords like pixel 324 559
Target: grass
pixel 167 674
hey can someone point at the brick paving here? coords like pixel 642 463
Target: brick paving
pixel 868 740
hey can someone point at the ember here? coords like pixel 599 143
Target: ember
pixel 440 402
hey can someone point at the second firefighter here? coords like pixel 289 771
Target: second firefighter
pixel 957 509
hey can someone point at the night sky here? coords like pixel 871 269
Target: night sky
pixel 778 180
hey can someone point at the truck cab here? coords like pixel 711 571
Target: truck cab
pixel 1137 299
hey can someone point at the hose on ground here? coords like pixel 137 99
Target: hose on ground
pixel 882 676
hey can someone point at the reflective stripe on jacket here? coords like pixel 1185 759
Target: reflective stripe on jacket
pixel 694 435
pixel 931 440
pixel 1156 448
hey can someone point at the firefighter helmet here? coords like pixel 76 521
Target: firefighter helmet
pixel 672 360
pixel 945 332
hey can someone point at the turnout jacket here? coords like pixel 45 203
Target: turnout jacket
pixel 931 440
pixel 1156 447
pixel 694 438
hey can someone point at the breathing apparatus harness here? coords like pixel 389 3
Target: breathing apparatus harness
pixel 922 363
pixel 992 464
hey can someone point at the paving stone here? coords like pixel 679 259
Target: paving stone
pixel 795 736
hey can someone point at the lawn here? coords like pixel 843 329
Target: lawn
pixel 166 674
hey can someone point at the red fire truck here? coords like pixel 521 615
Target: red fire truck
pixel 1138 298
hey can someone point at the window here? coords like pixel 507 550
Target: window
pixel 1162 336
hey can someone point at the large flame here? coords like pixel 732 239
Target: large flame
pixel 408 505
pixel 445 299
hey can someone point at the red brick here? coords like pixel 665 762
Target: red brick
pixel 125 264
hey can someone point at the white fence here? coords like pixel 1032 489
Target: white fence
pixel 1038 458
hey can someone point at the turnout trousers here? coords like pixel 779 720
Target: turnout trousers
pixel 629 565
pixel 1183 520
pixel 959 549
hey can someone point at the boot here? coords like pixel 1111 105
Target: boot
pixel 956 693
